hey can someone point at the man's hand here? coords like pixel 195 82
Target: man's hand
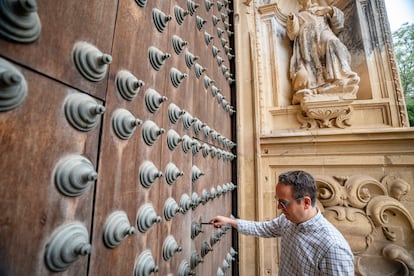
pixel 220 221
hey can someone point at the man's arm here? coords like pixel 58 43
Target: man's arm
pixel 338 261
pixel 264 229
pixel 220 221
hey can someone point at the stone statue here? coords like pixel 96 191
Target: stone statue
pixel 320 62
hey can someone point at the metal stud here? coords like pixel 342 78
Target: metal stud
pixel 195 260
pixel 225 266
pixel 198 125
pixel 187 120
pixel 177 77
pixel 19 21
pixel 208 4
pixel 128 85
pixel 171 208
pixel 180 14
pixel 224 16
pixel 227 49
pixel 220 190
pixel 196 146
pixel 220 97
pixel 199 70
pixel 213 193
pixel 13 86
pixel 205 149
pixel 66 245
pixel 153 100
pixel 160 19
pixel 220 32
pixel 215 90
pixel 196 200
pixel 116 229
pixel 145 264
pixel 170 247
pixel 208 82
pixel 187 143
pixel 220 5
pixel 214 238
pixel 172 173
pixel 184 269
pixel 200 22
pixel 205 249
pixel 196 173
pixel 141 3
pixel 190 59
pixel 205 196
pixel 216 20
pixel 74 175
pixel 208 38
pixel 82 111
pixel 178 44
pixel 207 131
pixel 90 61
pixel 224 69
pixel 157 57
pixel 147 217
pixel 219 60
pixel 229 258
pixel 196 229
pixel 213 151
pixel 174 113
pixel 185 203
pixel 124 123
pixel 151 132
pixel 173 139
pixel 224 41
pixel 148 174
pixel 192 6
pixel 215 51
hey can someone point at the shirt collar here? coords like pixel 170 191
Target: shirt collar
pixel 311 223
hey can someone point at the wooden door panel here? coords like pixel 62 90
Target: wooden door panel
pixel 34 137
pixel 119 186
pixel 63 24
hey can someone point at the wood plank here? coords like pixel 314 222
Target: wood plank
pixel 63 24
pixel 34 137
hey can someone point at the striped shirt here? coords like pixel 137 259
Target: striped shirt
pixel 314 247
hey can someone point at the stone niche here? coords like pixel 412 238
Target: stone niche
pixel 369 96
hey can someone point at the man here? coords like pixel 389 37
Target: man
pixel 310 244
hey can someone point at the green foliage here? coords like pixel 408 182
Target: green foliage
pixel 410 110
pixel 403 40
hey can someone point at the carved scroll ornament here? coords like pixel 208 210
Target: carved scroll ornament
pixel 371 216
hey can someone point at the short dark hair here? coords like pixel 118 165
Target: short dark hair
pixel 303 184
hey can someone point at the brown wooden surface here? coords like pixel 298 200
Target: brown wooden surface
pixel 63 24
pixel 126 31
pixel 33 138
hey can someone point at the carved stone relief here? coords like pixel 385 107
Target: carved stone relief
pixel 374 220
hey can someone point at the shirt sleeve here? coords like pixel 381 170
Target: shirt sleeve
pixel 263 229
pixel 338 261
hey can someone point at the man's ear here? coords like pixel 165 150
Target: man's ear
pixel 308 202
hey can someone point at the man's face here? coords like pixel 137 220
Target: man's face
pixel 293 210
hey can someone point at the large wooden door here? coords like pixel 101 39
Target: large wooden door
pixel 148 159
